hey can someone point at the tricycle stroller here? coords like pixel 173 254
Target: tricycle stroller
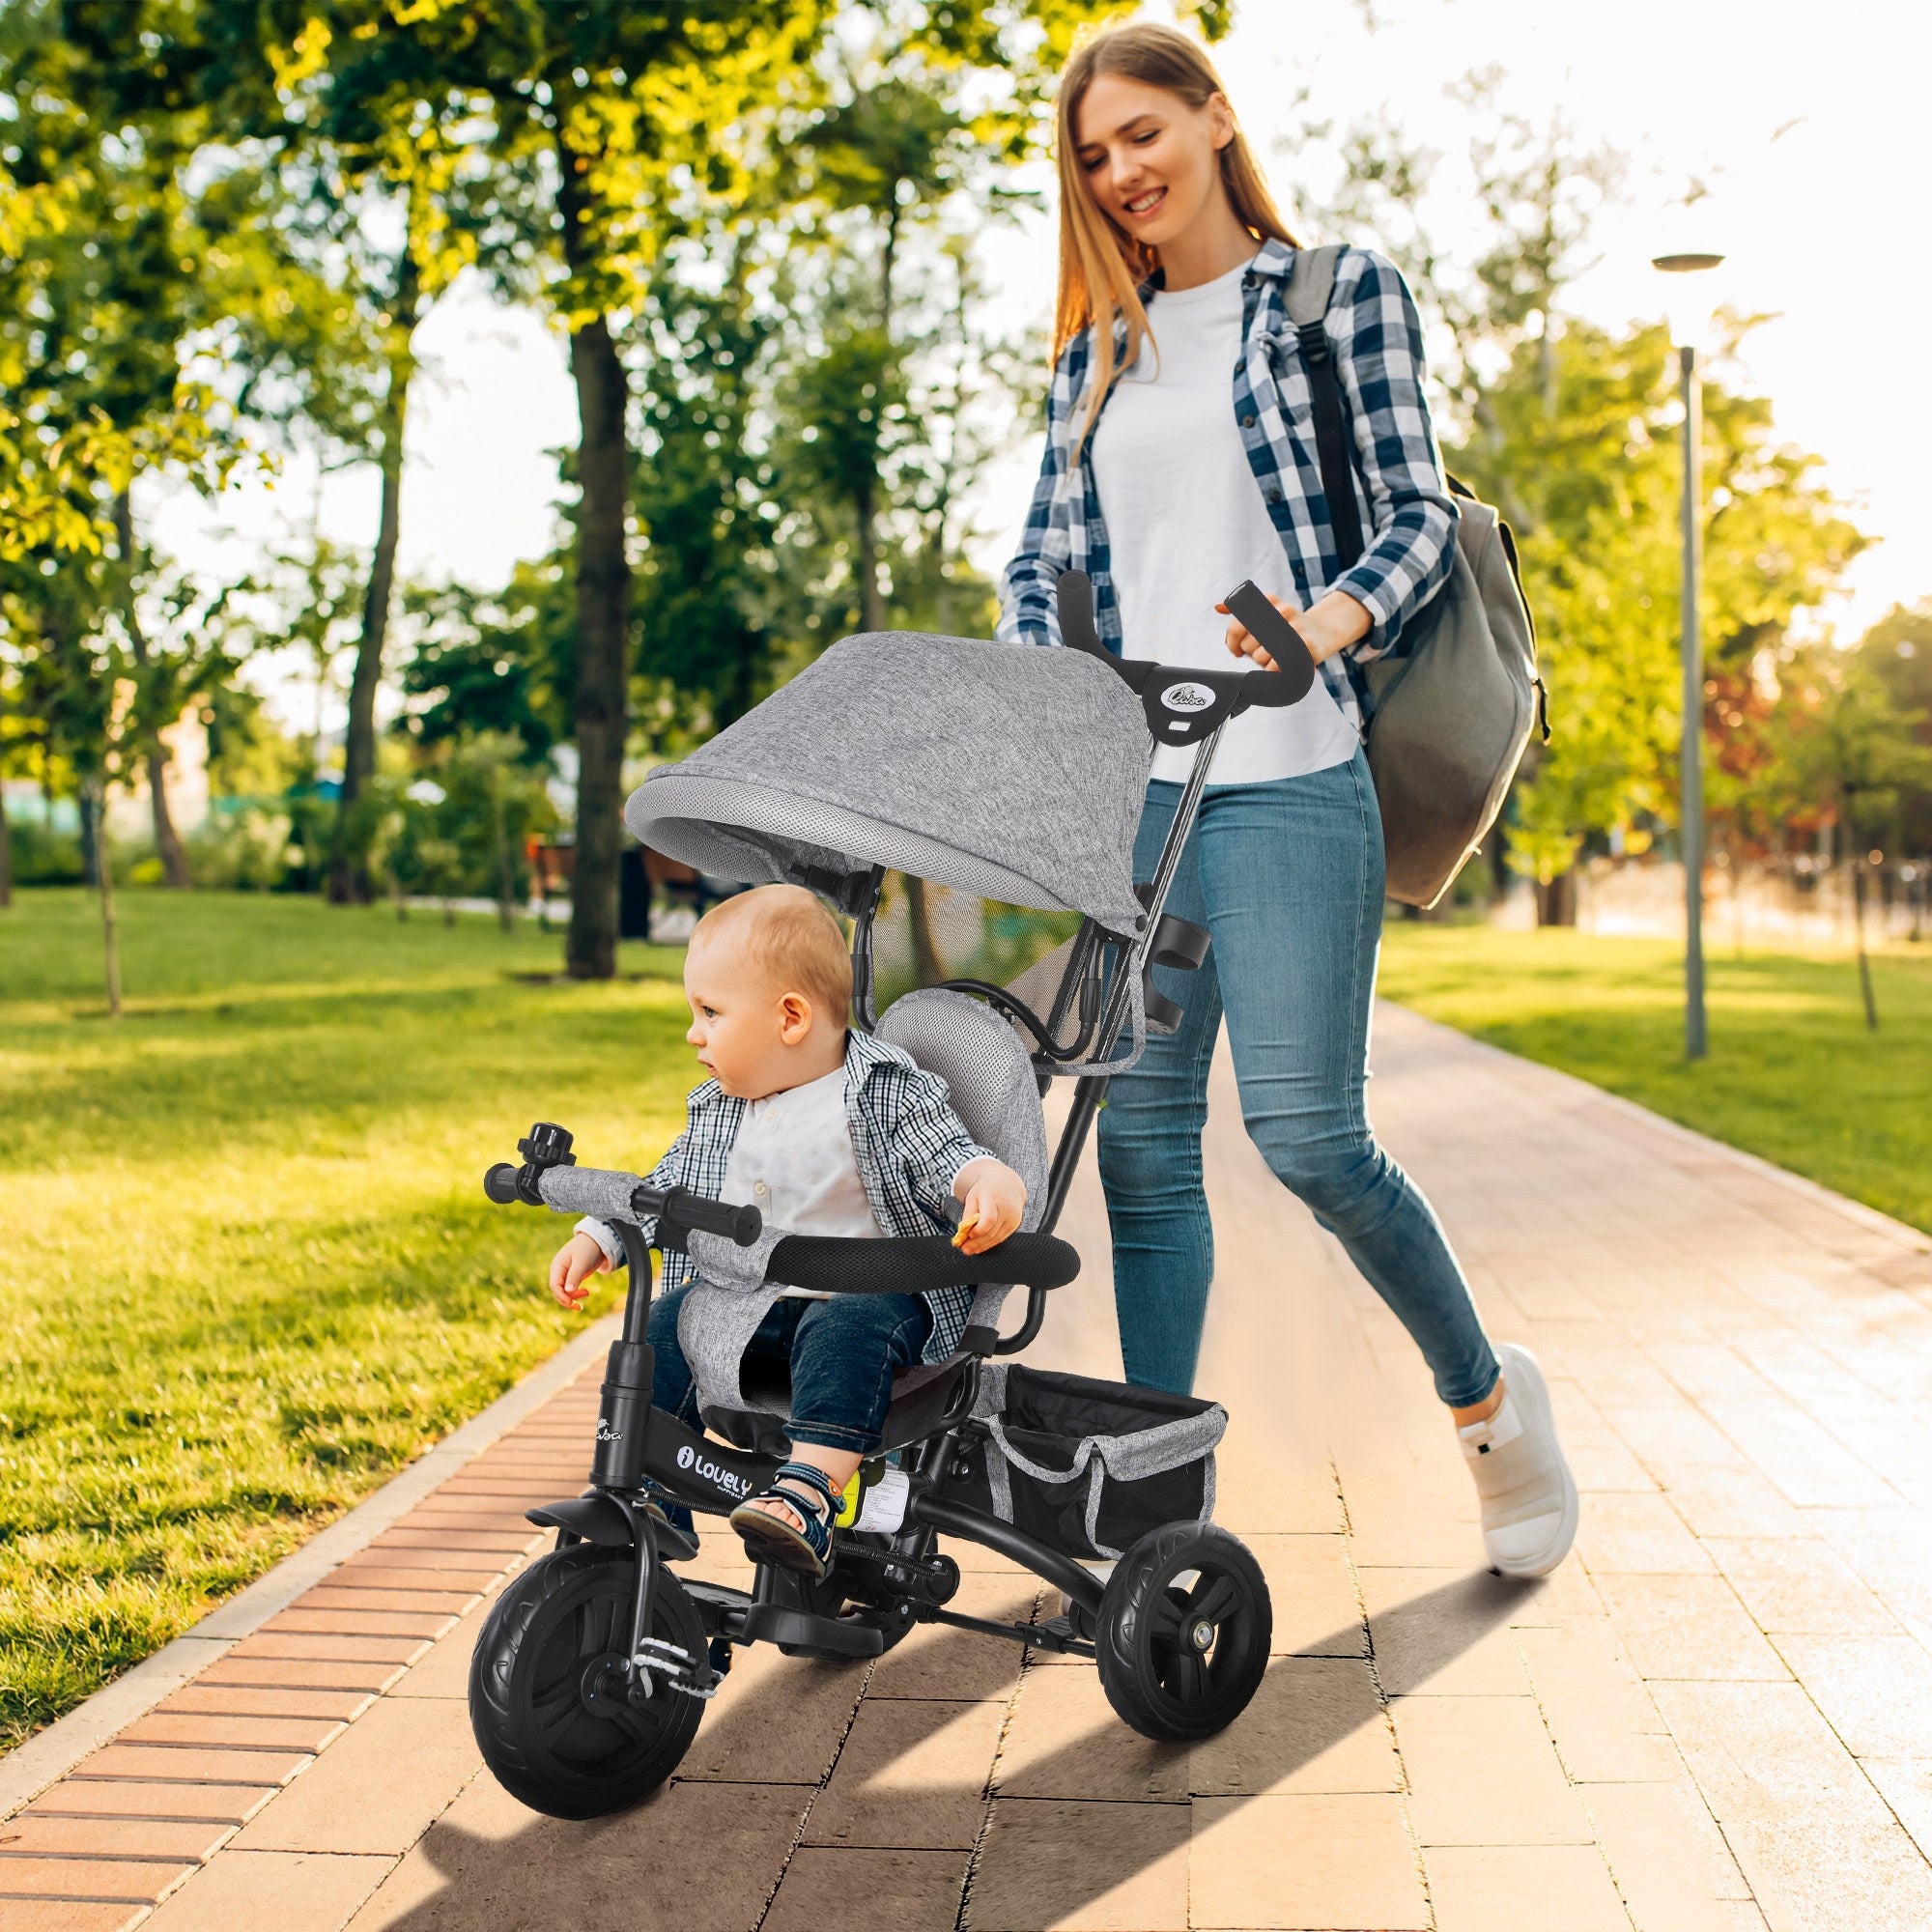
pixel 1017 775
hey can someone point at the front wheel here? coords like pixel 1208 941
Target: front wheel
pixel 547 1692
pixel 1183 1635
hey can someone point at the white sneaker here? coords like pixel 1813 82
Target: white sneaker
pixel 1528 1492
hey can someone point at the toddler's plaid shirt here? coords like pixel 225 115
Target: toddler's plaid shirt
pixel 1403 500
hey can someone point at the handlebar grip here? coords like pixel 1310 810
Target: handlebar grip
pixel 1275 634
pixel 688 1211
pixel 500 1183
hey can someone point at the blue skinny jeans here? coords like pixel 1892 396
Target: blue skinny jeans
pixel 843 1353
pixel 1287 876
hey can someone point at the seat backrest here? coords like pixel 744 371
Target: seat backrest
pixel 995 1091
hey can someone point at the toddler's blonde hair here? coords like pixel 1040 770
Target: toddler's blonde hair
pixel 790 935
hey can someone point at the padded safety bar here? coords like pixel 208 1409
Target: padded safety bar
pixel 835 1264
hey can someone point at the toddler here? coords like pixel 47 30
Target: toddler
pixel 825 1130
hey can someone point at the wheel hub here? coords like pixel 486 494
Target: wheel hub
pixel 606 1686
pixel 1201 1636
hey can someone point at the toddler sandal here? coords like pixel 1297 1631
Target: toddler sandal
pixel 771 1539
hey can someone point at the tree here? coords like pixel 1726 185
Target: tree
pixel 1569 429
pixel 1849 747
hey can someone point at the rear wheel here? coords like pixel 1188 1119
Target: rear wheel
pixel 1184 1628
pixel 548 1692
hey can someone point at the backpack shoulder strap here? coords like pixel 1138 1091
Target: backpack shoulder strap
pixel 1311 282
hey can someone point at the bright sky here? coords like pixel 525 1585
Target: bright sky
pixel 1808 131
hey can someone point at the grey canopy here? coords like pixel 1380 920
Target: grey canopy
pixel 1013 771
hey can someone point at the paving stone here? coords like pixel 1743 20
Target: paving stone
pixel 60 1915
pixel 1312 1586
pixel 1672 1865
pixel 1521 1796
pixel 1806 1462
pixel 1064 1741
pixel 1734 1502
pixel 899 1892
pixel 1312 1862
pixel 775 1719
pixel 1049 1866
pixel 167 1764
pixel 254 1733
pixel 490 1865
pixel 1875 1692
pixel 1803 1588
pixel 203 1699
pixel 1595 1707
pixel 1447 1631
pixel 911 1774
pixel 328 1647
pixel 418 1626
pixel 294 1675
pixel 1906 1785
pixel 444 1671
pixel 98 1798
pixel 50 1836
pixel 275 1891
pixel 136 1880
pixel 1762 1754
pixel 378 1787
pixel 1640 1535
pixel 360 1574
pixel 1522 1889
pixel 1845 1880
pixel 1316 1727
pixel 1687 1627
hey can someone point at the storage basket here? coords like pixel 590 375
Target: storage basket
pixel 1086 1466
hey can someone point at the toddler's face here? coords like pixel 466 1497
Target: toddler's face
pixel 739 1021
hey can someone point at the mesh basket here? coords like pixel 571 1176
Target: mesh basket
pixel 1087 1467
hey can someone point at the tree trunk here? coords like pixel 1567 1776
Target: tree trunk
pixel 5 852
pixel 90 838
pixel 153 754
pixel 1859 927
pixel 603 612
pixel 349 865
pixel 506 871
pixel 110 936
pixel 1556 899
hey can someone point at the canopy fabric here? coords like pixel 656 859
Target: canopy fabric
pixel 1013 771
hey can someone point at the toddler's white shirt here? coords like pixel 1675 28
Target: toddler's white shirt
pixel 793 1160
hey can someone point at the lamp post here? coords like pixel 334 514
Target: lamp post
pixel 1686 331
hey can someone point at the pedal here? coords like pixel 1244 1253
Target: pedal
pixel 679 1670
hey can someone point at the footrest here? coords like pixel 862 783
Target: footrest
pixel 800 1630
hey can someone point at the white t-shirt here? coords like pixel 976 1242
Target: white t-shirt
pixel 794 1162
pixel 1186 524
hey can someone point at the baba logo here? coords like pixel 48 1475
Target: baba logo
pixel 687 1458
pixel 606 1434
pixel 1186 697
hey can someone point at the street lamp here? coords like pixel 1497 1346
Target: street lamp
pixel 1687 319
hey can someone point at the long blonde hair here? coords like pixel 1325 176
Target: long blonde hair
pixel 1101 266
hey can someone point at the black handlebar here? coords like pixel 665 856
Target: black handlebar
pixel 1183 705
pixel 842 1265
pixel 549 1178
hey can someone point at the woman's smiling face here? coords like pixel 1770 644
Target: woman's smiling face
pixel 1151 160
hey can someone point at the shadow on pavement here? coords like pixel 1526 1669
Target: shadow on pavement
pixel 701 1855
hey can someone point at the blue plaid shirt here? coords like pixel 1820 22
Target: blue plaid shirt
pixel 907 1140
pixel 1403 500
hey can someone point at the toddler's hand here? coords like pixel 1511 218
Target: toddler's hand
pixel 995 1199
pixel 570 1270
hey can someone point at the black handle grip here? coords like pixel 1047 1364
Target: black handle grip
pixel 1275 634
pixel 500 1183
pixel 685 1210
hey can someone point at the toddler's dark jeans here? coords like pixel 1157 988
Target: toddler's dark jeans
pixel 843 1353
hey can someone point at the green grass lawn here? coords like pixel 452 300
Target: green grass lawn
pixel 1792 1074
pixel 249 1270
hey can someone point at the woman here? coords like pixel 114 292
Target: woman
pixel 1179 408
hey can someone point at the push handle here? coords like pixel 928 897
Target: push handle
pixel 1275 634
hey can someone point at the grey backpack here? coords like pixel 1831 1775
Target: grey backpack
pixel 1446 722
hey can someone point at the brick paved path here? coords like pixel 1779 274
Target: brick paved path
pixel 1714 1719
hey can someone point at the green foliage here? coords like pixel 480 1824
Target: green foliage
pixel 251 1270
pixel 1792 1075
